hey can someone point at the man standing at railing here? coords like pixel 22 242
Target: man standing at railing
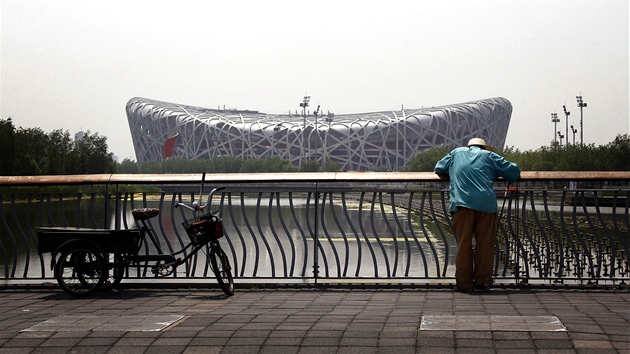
pixel 473 205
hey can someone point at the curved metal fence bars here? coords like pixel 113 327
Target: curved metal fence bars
pixel 386 228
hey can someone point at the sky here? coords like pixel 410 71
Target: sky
pixel 74 65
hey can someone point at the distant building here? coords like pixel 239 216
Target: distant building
pixel 78 137
pixel 357 141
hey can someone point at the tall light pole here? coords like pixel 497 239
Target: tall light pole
pixel 561 137
pixel 555 120
pixel 304 104
pixel 573 130
pixel 329 119
pixel 566 115
pixel 316 114
pixel 581 104
pixel 276 129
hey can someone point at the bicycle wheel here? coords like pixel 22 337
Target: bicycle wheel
pixel 80 271
pixel 221 268
pixel 115 271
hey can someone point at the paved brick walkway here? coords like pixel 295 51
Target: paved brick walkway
pixel 308 321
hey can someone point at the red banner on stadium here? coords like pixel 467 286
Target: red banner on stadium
pixel 169 146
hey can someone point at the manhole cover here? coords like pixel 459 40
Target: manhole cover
pixel 492 323
pixel 132 323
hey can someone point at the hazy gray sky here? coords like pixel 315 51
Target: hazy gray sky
pixel 75 64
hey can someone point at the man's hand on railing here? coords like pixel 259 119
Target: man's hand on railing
pixel 443 176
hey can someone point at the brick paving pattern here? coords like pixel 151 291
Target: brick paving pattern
pixel 314 321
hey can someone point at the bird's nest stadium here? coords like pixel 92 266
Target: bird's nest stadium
pixel 357 141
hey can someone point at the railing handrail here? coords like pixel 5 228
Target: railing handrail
pixel 368 225
pixel 219 178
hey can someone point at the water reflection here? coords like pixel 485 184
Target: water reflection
pixel 266 236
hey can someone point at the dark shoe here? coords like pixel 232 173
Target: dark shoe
pixel 481 288
pixel 460 290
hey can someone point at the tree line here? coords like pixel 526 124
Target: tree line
pixel 31 151
pixel 613 156
pixel 223 165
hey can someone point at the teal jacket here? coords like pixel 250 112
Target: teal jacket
pixel 472 171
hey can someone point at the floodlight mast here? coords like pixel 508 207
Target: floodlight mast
pixel 581 104
pixel 304 104
pixel 566 115
pixel 555 120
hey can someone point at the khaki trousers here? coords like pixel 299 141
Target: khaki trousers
pixel 474 268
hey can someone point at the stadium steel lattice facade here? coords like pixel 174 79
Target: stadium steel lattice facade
pixel 359 141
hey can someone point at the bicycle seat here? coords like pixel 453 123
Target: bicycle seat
pixel 144 213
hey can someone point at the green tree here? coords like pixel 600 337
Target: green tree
pixel 227 165
pixel 92 155
pixel 616 154
pixel 579 158
pixel 425 161
pixel 527 160
pixel 7 147
pixel 127 166
pixel 59 152
pixel 330 166
pixel 31 145
pixel 511 153
pixel 311 166
pixel 181 165
pixel 273 164
pixel 151 167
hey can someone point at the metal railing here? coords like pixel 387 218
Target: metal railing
pixel 342 228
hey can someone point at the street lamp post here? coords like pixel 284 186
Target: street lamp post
pixel 329 119
pixel 555 120
pixel 316 114
pixel 276 129
pixel 566 115
pixel 573 130
pixel 581 104
pixel 561 137
pixel 304 104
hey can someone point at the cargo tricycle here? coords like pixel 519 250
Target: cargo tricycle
pixel 85 260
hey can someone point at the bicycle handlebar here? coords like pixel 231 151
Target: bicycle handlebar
pixel 195 205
